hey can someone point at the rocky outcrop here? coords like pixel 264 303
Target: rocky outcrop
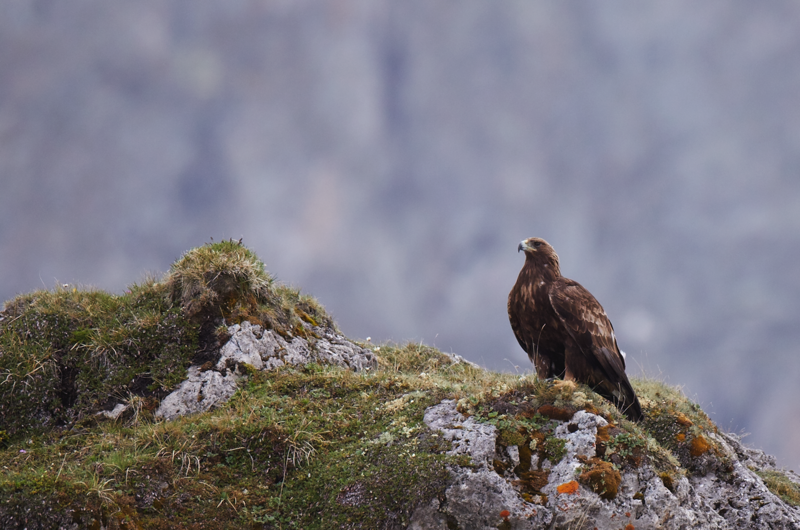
pixel 250 347
pixel 575 489
pixel 202 391
pixel 488 493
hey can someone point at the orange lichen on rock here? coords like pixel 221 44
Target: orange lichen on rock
pixel 602 478
pixel 556 413
pixel 534 480
pixel 699 446
pixel 602 438
pixel 602 433
pixel 629 526
pixel 569 488
pixel 681 437
pixel 683 420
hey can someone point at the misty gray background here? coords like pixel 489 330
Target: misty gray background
pixel 388 156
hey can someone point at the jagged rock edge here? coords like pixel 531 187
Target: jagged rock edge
pixel 252 347
pixel 478 497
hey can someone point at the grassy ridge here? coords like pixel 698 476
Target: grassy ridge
pixel 304 448
pixel 315 447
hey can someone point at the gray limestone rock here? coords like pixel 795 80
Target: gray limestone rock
pixel 251 345
pixel 268 350
pixel 477 500
pixel 202 391
pixel 114 413
pixel 477 495
pixel 476 440
pixel 332 348
pixel 246 345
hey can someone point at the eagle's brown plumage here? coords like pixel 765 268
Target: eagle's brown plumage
pixel 565 330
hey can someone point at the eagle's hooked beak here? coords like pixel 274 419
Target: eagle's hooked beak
pixel 522 246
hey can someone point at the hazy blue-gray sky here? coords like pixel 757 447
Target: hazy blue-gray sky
pixel 388 156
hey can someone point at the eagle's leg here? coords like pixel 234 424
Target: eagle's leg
pixel 569 372
pixel 544 369
pixel 574 364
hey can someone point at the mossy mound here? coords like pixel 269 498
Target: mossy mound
pixel 67 353
pixel 212 280
pixel 320 447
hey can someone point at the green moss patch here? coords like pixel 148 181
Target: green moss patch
pixel 69 353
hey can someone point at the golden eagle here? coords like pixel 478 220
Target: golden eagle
pixel 565 330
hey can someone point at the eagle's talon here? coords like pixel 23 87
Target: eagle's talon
pixel 563 383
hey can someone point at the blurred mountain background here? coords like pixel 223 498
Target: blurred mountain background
pixel 388 156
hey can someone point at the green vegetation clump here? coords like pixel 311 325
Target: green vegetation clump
pixel 68 353
pixel 212 280
pixel 227 282
pixel 681 428
pixel 780 485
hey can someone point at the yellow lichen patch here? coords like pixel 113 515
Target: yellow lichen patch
pixel 568 488
pixel 400 403
pixel 666 479
pixel 683 420
pixel 699 446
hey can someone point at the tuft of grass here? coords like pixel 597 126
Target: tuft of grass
pixel 210 281
pixel 779 484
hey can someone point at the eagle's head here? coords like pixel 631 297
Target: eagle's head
pixel 539 252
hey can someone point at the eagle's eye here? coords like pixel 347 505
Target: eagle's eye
pixel 537 244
